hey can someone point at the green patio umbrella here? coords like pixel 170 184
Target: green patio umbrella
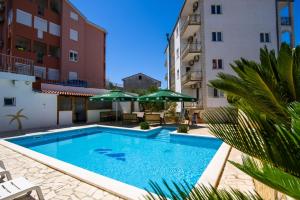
pixel 114 96
pixel 167 95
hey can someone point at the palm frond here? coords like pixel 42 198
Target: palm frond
pixel 271 176
pixel 257 136
pixel 179 191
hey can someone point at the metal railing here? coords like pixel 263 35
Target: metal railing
pixel 286 21
pixel 191 76
pixel 194 19
pixel 74 83
pixel 16 65
pixel 191 48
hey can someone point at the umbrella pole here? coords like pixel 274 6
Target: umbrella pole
pixel 117 111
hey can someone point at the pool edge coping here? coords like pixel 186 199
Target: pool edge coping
pixel 115 187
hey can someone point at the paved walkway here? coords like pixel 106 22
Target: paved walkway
pixel 59 186
pixel 55 185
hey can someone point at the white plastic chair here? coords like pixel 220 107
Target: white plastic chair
pixel 18 187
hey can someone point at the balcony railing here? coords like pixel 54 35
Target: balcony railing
pixel 191 48
pixel 16 65
pixel 194 19
pixel 286 21
pixel 191 76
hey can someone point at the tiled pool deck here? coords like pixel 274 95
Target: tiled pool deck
pixel 57 185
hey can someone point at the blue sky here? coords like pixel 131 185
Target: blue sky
pixel 136 33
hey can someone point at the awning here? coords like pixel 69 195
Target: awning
pixel 67 93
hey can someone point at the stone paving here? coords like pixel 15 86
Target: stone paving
pixel 59 186
pixel 54 184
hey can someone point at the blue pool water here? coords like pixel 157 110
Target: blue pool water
pixel 131 157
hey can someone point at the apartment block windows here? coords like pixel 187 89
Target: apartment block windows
pixel 73 35
pixel 265 38
pixel 73 76
pixel 177 74
pixel 23 17
pixel 9 101
pixel 216 9
pixel 73 16
pixel 217 64
pixel 73 56
pixel 217 93
pixel 217 36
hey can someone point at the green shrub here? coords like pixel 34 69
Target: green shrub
pixel 144 125
pixel 182 128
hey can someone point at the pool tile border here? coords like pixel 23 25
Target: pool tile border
pixel 211 174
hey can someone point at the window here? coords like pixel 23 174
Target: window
pixel 24 18
pixel 140 77
pixel 54 29
pixel 54 51
pixel 73 56
pixel 216 9
pixel 218 93
pixel 217 37
pixel 10 17
pixel 40 24
pixel 22 44
pixel 9 101
pixel 177 73
pixel 265 38
pixel 53 74
pixel 73 16
pixel 217 64
pixel 73 35
pixel 73 76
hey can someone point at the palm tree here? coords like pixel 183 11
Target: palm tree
pixel 262 121
pixel 17 117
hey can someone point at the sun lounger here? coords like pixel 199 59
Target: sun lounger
pixel 18 187
pixel 153 118
pixel 127 117
pixel 3 172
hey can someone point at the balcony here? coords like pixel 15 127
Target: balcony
pixel 191 78
pixel 285 21
pixel 16 65
pixel 190 24
pixel 190 50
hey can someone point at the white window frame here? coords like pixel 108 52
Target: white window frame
pixel 73 35
pixel 74 16
pixel 14 101
pixel 72 59
pixel 217 64
pixel 265 37
pixel 217 38
pixel 215 7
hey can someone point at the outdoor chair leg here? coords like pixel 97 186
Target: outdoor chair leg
pixel 39 193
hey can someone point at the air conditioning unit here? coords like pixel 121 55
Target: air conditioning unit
pixel 195 6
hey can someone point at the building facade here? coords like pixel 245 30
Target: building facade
pixel 209 35
pixel 140 81
pixel 54 42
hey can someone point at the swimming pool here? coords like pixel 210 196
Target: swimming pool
pixel 130 156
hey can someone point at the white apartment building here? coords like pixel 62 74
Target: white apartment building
pixel 210 34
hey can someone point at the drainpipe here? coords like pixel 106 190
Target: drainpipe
pixel 169 61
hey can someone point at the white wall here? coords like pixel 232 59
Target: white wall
pixel 93 116
pixel 241 23
pixel 65 118
pixel 39 108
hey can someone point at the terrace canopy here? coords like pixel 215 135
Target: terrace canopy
pixel 114 96
pixel 167 96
